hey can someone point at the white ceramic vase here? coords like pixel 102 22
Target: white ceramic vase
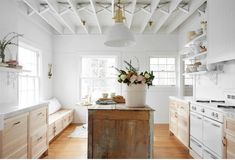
pixel 136 95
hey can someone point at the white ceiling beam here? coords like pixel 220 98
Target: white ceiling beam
pixel 54 6
pixel 184 9
pixel 72 3
pixel 132 12
pixel 173 5
pixel 154 5
pixel 35 6
pixel 96 17
pixel 146 11
pixel 194 5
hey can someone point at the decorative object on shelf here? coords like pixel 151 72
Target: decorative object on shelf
pixel 105 95
pixel 136 84
pixel 191 35
pixel 204 26
pixel 49 71
pixel 119 35
pixel 7 41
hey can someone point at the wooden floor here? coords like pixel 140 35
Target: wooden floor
pixel 165 146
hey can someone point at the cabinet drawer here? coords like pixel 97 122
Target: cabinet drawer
pixel 183 110
pixel 230 126
pixel 66 121
pixel 173 104
pixel 38 118
pixel 196 146
pixel 51 131
pixel 19 154
pixel 38 144
pixel 14 135
pixel 71 117
pixel 230 147
pixel 58 126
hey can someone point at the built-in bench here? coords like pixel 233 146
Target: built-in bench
pixel 59 118
pixel 58 121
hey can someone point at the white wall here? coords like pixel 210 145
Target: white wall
pixel 68 50
pixel 208 86
pixel 12 19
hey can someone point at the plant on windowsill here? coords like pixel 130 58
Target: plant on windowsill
pixel 8 41
pixel 136 84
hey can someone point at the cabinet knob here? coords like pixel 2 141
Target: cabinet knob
pixel 202 110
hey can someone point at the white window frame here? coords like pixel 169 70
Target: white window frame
pixel 38 52
pixel 176 69
pixel 93 78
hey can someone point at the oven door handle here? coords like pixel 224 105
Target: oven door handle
pixel 216 125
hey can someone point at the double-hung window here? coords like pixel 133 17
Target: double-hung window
pixel 164 69
pixel 28 88
pixel 98 76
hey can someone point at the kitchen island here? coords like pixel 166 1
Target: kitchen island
pixel 116 131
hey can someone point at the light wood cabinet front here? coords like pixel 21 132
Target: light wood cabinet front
pixel 230 138
pixel 38 118
pixel 14 137
pixel 179 120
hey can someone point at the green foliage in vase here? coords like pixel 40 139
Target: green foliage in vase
pixel 7 41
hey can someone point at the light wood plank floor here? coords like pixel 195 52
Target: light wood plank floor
pixel 165 146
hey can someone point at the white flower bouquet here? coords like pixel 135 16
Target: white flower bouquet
pixel 131 76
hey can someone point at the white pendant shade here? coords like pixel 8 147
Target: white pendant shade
pixel 119 36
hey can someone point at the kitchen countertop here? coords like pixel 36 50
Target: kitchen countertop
pixel 183 98
pixel 118 107
pixel 10 111
pixel 227 112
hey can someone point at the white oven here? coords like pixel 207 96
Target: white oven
pixel 206 131
pixel 196 124
pixel 213 136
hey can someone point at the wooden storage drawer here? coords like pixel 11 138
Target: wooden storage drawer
pixel 230 147
pixel 38 144
pixel 38 118
pixel 58 126
pixel 66 121
pixel 173 104
pixel 230 126
pixel 51 131
pixel 19 154
pixel 14 135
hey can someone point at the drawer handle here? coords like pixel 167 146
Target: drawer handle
pixel 39 138
pixel 215 125
pixel 40 114
pixel 196 143
pixel 224 141
pixel 16 123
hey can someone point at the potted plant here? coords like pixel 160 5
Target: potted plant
pixel 136 84
pixel 7 41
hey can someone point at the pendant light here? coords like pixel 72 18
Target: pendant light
pixel 119 35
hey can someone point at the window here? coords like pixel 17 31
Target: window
pixel 164 70
pixel 28 81
pixel 98 76
pixel 188 80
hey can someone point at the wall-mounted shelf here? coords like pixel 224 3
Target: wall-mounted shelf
pixel 195 73
pixel 199 55
pixel 13 70
pixel 197 39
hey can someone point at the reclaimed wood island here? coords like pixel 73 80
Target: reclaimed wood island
pixel 116 131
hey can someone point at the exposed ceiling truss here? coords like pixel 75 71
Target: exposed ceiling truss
pixel 95 16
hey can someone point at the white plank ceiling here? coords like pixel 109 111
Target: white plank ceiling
pixel 95 16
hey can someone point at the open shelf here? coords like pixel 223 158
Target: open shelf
pixel 196 39
pixel 195 73
pixel 15 70
pixel 195 56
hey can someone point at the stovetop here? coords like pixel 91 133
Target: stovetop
pixel 217 103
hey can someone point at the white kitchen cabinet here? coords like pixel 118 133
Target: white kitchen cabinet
pixel 221 30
